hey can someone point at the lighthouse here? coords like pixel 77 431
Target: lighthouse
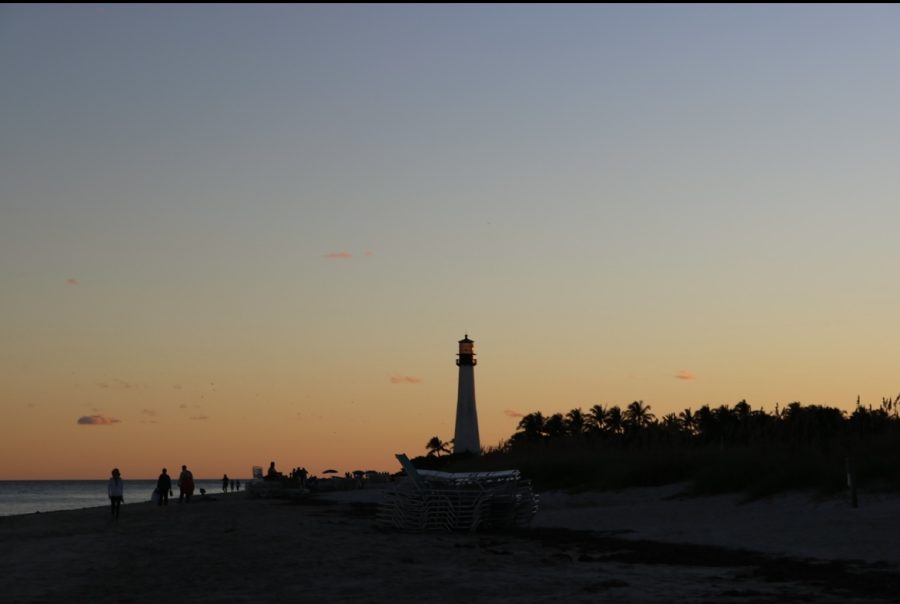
pixel 466 437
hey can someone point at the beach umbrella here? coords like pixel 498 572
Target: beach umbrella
pixel 330 472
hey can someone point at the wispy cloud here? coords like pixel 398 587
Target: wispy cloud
pixel 149 412
pixel 339 255
pixel 405 379
pixel 97 420
pixel 684 375
pixel 512 413
pixel 71 281
pixel 198 417
pixel 118 384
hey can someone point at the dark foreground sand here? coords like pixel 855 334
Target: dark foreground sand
pixel 643 546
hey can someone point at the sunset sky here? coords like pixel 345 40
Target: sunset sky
pixel 236 234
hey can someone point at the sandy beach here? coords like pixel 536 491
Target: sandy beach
pixel 645 545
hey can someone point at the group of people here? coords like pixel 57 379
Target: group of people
pixel 185 486
pixel 297 475
pixel 226 482
pixel 115 489
pixel 300 475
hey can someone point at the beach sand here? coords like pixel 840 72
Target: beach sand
pixel 646 545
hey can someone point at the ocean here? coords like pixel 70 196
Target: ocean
pixel 30 496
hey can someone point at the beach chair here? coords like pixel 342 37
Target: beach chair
pixel 429 500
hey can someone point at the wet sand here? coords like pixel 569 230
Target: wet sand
pixel 635 546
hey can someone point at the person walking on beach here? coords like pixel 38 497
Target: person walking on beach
pixel 116 491
pixel 185 485
pixel 164 486
pixel 225 483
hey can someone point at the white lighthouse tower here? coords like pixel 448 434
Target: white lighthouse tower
pixel 466 437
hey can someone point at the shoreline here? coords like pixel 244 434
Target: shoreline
pixel 234 548
pixel 19 498
pixel 173 500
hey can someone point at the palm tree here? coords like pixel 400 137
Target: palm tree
pixel 532 425
pixel 688 421
pixel 597 418
pixel 671 428
pixel 613 421
pixel 706 424
pixel 742 413
pixel 726 419
pixel 575 422
pixel 670 422
pixel 436 446
pixel 742 409
pixel 638 415
pixel 555 426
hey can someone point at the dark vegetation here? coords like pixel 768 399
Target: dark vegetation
pixel 712 450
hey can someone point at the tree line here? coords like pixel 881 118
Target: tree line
pixel 712 449
pixel 740 424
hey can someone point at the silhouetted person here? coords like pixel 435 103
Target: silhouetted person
pixel 232 486
pixel 185 485
pixel 225 484
pixel 164 487
pixel 238 485
pixel 116 491
pixel 272 474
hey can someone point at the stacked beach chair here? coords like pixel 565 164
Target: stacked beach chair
pixel 459 501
